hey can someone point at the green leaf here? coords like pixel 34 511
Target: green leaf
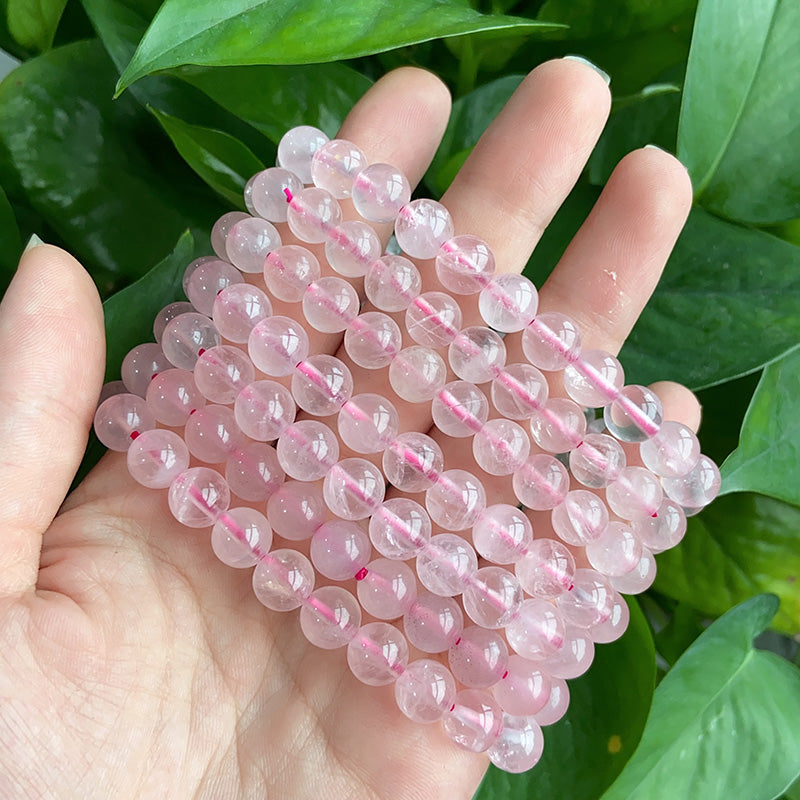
pixel 742 544
pixel 724 722
pixel 222 161
pixel 220 32
pixel 740 122
pixel 586 750
pixel 9 239
pixel 33 23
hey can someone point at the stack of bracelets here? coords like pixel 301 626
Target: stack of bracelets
pixel 232 376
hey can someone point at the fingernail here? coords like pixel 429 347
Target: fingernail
pixel 581 60
pixel 654 147
pixel 34 241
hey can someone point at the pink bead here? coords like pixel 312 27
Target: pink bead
pixel 412 462
pixel 547 570
pixel 239 535
pixel 186 337
pixel 635 415
pixel 330 617
pixel 574 658
pixel 372 340
pixel 597 460
pixel 475 720
pixel 697 488
pixel 456 500
pixel 479 658
pixel 110 390
pixel 253 471
pixel 581 518
pixel 167 314
pixel 321 385
pixel 519 390
pixel 672 452
pixel 559 426
pixel 477 354
pixel 207 281
pixel 392 282
pixel 590 600
pixel 663 531
pixel 296 510
pixel 425 691
pixel 635 494
pixel 519 745
pixel 289 270
pixel 541 483
pixel 502 534
pixel 238 309
pixel 501 447
pixel 433 319
pixel 640 578
pixel 193 265
pixel 307 449
pixel 537 631
pixel 433 623
pixel 330 304
pixel 368 423
pixel 351 248
pixel 616 552
pixel 297 147
pixel 400 528
pixel 465 264
pixel 172 396
pixel 198 496
pixel 552 341
pixel 557 703
pixel 283 580
pixel 379 192
pixel 340 549
pixel 353 488
pixel 594 380
pixel 268 192
pixel 446 566
pixel 156 457
pixel 120 419
pixel 277 345
pixel 492 598
pixel 417 374
pixel 222 372
pixel 388 589
pixel 141 365
pixel 460 409
pixel 615 625
pixel 313 213
pixel 219 233
pixel 263 409
pixel 378 654
pixel 422 227
pixel 525 688
pixel 335 165
pixel 211 434
pixel 508 303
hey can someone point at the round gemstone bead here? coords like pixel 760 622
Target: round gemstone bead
pixel 672 452
pixel 412 462
pixel 353 488
pixel 330 617
pixel 283 580
pixel 351 247
pixel 662 531
pixel 193 265
pixel 635 415
pixel 156 457
pixel 635 494
pixel 474 721
pixel 574 658
pixel 120 419
pixel 253 471
pixel 640 578
pixel 263 409
pixel 456 500
pixel 219 233
pixel 198 496
pixel 425 690
pixel 297 147
pixel 313 213
pixel 581 518
pixel 330 304
pixel 537 631
pixel 501 447
pixel 399 528
pixel 238 309
pixel 211 434
pixel 340 549
pixel 479 658
pixel 417 374
pixel 477 354
pixel 595 379
pixel 547 569
pixel 307 449
pixel 697 488
pixel 167 314
pixel 557 703
pixel 422 227
pixel 559 426
pixel 368 423
pixel 388 590
pixel 248 243
pixel 240 536
pixel 268 193
pixel 552 341
pixel 460 409
pixel 222 372
pixel 110 390
pixel 433 319
pixel 295 510
pixel 289 270
pixel 335 165
pixel 493 597
pixel 508 303
pixel 277 345
pixel 525 688
pixel 392 282
pixel 616 552
pixel 141 365
pixel 541 483
pixel 433 623
pixel 378 654
pixel 615 625
pixel 519 745
pixel 186 337
pixel 321 385
pixel 172 396
pixel 446 566
pixel 379 192
pixel 502 534
pixel 519 390
pixel 465 264
pixel 597 460
pixel 372 340
pixel 590 600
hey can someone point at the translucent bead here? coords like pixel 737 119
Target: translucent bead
pixel 616 552
pixel 537 631
pixel 312 215
pixel 433 623
pixel 268 192
pixel 297 147
pixel 640 578
pixel 502 534
pixel 172 396
pixel 672 452
pixel 425 691
pixel 247 196
pixel 379 192
pixel 519 390
pixel 581 518
pixel 156 457
pixel 166 315
pixel 559 426
pixel 372 340
pixel 493 598
pixel 192 266
pixel 284 580
pixel 477 354
pixel 378 654
pixel 541 483
pixel 508 303
pixel 635 415
pixel 460 409
pixel 417 374
pixel 465 264
pixel 211 434
pixel 597 460
pixel 547 570
pixel 368 423
pixel 351 248
pixel 525 688
pixel 289 270
pixel 238 309
pixel 222 372
pixel 354 488
pixel 400 528
pixel 330 304
pixel 519 745
pixel 219 233
pixel 296 510
pixel 340 549
pixel 110 389
pixel 392 282
pixel 479 658
pixel 557 703
pixel 662 531
pixel 552 341
pixel 330 617
pixel 595 379
pixel 249 242
pixel 321 385
pixel 307 449
pixel 263 409
pixel 239 535
pixel 635 494
pixel 143 363
pixel 277 345
pixel 456 500
pixel 422 227
pixel 446 565
pixel 501 447
pixel 590 600
pixel 574 658
pixel 388 590
pixel 253 471
pixel 412 462
pixel 335 165
pixel 474 721
pixel 198 496
pixel 186 337
pixel 615 625
pixel 120 419
pixel 697 488
pixel 433 319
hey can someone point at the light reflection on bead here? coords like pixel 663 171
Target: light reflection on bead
pixel 425 691
pixel 460 409
pixel 289 270
pixel 502 533
pixel 508 303
pixel 296 510
pixel 367 423
pixel 330 304
pixel 156 457
pixel 321 385
pixel 519 745
pixel 479 658
pixel 388 590
pixel 353 488
pixel 392 282
pixel 697 488
pixel 501 447
pixel 493 597
pixel 477 354
pixel 456 500
pixel 312 214
pixel 635 415
pixel 351 247
pixel 417 374
pixel 519 390
pixel 672 452
pixel 379 192
pixel 597 460
pixel 581 518
pixel 307 449
pixel 284 580
pixel 211 433
pixel 186 337
pixel 595 380
pixel 340 549
pixel 141 364
pixel 297 147
pixel 372 340
pixel 475 720
pixel 238 534
pixel 197 496
pixel 541 483
pixel 547 569
pixel 433 319
pixel 277 345
pixel 412 462
pixel 238 309
pixel 263 409
pixel 400 528
pixel 172 396
pixel 222 372
pixel 378 654
pixel 446 565
pixel 268 192
pixel 248 243
pixel 330 617
pixel 335 164
pixel 465 264
pixel 552 341
pixel 422 227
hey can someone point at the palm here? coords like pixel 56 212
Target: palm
pixel 132 663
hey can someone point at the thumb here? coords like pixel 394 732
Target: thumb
pixel 52 351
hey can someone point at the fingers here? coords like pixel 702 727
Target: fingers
pixel 52 347
pixel 680 404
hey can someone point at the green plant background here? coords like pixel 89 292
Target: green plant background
pixel 684 705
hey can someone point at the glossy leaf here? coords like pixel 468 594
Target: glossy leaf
pixel 742 544
pixel 724 721
pixel 740 123
pixel 33 23
pixel 10 241
pixel 586 750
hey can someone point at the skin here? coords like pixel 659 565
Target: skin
pixel 132 663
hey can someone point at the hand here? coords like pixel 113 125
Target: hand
pixel 132 663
